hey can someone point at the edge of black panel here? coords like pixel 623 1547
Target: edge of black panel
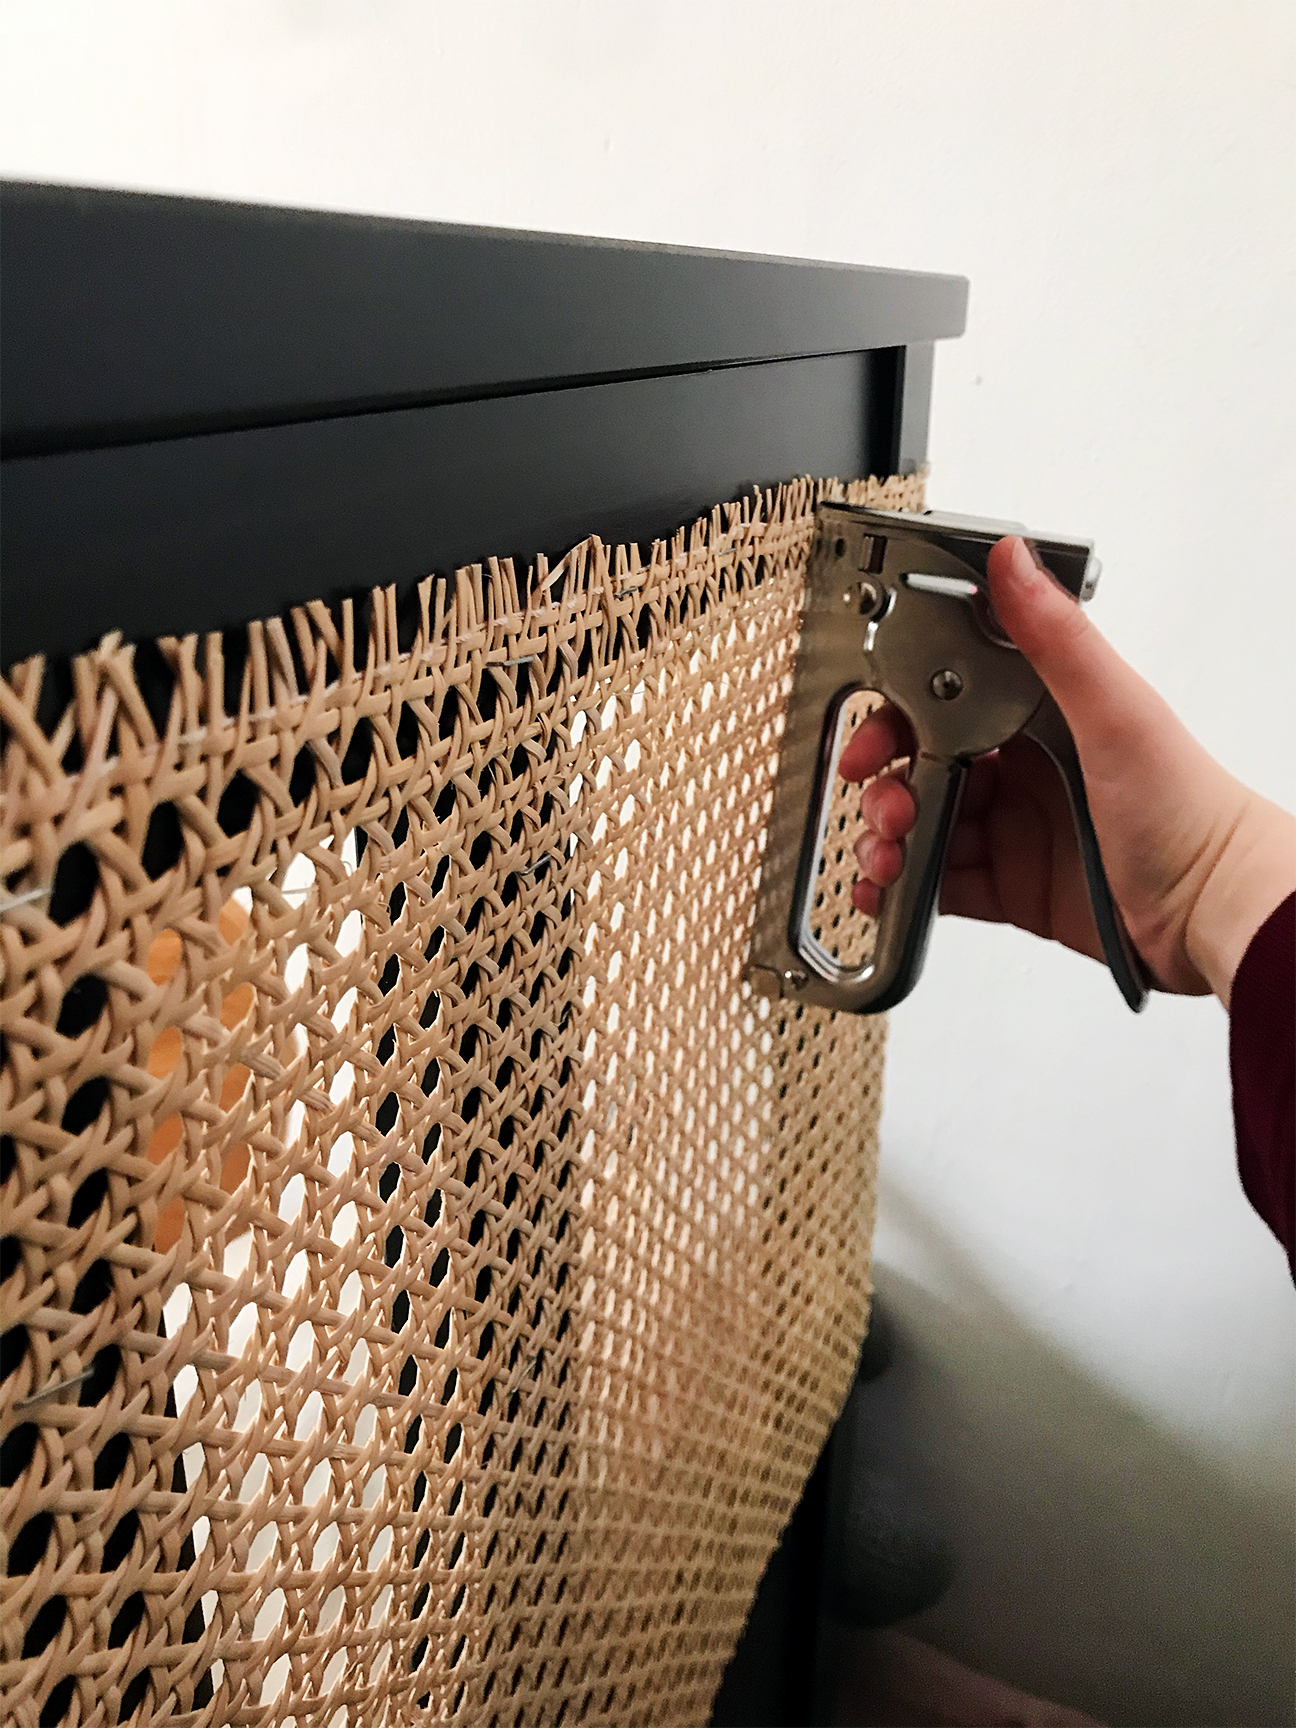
pixel 130 316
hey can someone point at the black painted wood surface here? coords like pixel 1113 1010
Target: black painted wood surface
pixel 128 315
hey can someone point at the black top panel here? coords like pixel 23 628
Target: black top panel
pixel 130 316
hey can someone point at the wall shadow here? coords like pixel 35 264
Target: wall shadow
pixel 1102 1562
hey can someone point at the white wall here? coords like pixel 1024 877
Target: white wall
pixel 1097 1378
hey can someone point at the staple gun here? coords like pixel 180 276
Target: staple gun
pixel 898 604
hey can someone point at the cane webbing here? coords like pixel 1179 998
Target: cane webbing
pixel 429 1273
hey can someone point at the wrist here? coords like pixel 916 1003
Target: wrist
pixel 1252 873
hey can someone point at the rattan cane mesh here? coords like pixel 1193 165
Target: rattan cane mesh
pixel 429 1274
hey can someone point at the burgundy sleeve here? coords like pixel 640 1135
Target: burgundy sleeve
pixel 1262 1061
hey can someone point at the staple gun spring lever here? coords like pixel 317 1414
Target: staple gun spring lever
pixel 898 604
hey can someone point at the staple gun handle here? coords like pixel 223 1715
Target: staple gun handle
pixel 909 906
pixel 1050 731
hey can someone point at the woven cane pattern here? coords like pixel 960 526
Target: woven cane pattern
pixel 429 1274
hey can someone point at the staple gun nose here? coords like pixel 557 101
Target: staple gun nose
pixel 899 605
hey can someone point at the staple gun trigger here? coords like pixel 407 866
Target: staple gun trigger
pixel 898 605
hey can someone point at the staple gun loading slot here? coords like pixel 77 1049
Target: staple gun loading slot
pixel 899 605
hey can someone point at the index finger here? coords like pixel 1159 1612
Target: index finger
pixel 878 739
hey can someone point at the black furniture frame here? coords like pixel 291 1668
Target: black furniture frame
pixel 212 411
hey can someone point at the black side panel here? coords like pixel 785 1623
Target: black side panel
pixel 128 316
pixel 198 533
pixel 769 1682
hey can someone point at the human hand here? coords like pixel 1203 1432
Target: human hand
pixel 1196 861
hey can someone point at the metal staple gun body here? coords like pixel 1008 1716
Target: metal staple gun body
pixel 899 605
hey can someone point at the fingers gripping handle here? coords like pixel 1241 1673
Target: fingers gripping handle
pixel 1050 731
pixel 910 904
pixel 908 908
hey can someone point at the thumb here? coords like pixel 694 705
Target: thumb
pixel 1105 702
